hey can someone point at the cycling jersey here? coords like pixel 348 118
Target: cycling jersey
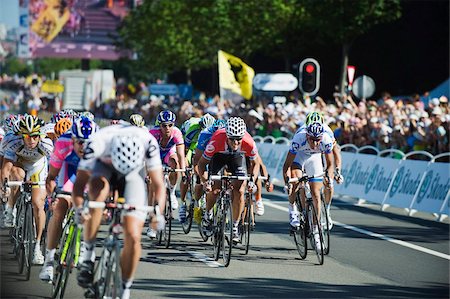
pixel 192 131
pixel 66 160
pixel 218 144
pixel 98 146
pixel 16 151
pixel 8 137
pixel 167 150
pixel 205 137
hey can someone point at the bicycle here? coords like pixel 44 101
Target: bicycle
pixel 68 251
pixel 166 234
pixel 189 201
pixel 308 218
pixel 107 273
pixel 23 233
pixel 325 225
pixel 247 223
pixel 223 218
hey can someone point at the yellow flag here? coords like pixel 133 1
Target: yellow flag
pixel 235 75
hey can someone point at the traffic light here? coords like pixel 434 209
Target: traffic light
pixel 309 73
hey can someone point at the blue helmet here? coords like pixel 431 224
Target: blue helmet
pixel 315 130
pixel 83 127
pixel 220 123
pixel 166 116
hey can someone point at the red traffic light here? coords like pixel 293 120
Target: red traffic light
pixel 310 68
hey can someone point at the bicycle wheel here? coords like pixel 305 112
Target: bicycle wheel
pixel 325 226
pixel 300 233
pixel 227 233
pixel 113 283
pixel 245 224
pixel 189 206
pixel 312 220
pixel 217 231
pixel 165 234
pixel 102 273
pixel 29 240
pixel 199 224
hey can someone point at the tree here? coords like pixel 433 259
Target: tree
pixel 342 21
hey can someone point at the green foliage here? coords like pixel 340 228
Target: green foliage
pixel 14 65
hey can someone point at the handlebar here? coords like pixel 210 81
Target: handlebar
pixel 20 183
pixel 122 206
pixel 229 177
pixel 305 178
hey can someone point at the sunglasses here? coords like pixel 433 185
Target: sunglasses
pixel 167 125
pixel 28 136
pixel 79 141
pixel 235 138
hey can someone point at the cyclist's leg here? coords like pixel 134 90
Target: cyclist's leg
pixel 17 174
pixel 184 185
pixel 38 174
pixel 237 166
pixel 133 223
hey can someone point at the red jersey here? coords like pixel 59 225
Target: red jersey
pixel 218 144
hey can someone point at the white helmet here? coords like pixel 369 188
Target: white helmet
pixel 235 127
pixel 207 120
pixel 127 153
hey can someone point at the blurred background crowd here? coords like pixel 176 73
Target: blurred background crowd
pixel 406 123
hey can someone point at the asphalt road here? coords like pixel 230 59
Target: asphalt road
pixel 373 254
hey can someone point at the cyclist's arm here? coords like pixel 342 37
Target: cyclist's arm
pixel 156 177
pixel 330 168
pixel 337 156
pixel 50 181
pixel 181 157
pixel 79 186
pixel 254 168
pixel 202 169
pixel 197 156
pixel 262 167
pixel 287 165
pixel 6 168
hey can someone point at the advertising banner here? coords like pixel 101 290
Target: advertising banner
pixel 379 179
pixel 405 183
pixel 434 189
pixel 23 48
pixel 347 160
pixel 273 156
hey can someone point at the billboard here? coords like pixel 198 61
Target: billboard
pixel 80 29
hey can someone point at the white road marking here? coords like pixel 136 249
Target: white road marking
pixel 207 260
pixel 372 234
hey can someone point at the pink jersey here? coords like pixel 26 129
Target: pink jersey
pixel 65 159
pixel 176 138
pixel 218 144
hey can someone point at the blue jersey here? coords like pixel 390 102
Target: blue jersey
pixel 205 136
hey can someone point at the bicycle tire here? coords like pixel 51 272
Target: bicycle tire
pixel 60 259
pixel 189 203
pixel 217 232
pixel 19 233
pixel 245 224
pixel 168 226
pixel 314 219
pixel 29 240
pixel 67 269
pixel 227 233
pixel 100 272
pixel 325 226
pixel 300 233
pixel 199 225
pixel 117 284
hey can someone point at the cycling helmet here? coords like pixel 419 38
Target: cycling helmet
pixel 235 127
pixel 83 127
pixel 137 120
pixel 9 122
pixel 31 125
pixel 313 117
pixel 207 120
pixel 219 124
pixel 127 153
pixel 166 116
pixel 315 130
pixel 16 126
pixel 62 126
pixel 87 114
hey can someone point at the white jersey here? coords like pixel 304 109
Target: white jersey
pixel 99 146
pixel 326 129
pixel 16 151
pixel 6 139
pixel 300 144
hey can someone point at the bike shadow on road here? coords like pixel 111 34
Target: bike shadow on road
pixel 251 287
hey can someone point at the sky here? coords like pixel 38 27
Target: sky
pixel 9 13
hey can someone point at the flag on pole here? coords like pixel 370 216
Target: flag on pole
pixel 235 75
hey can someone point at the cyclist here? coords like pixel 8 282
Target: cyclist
pixel 29 151
pixel 88 114
pixel 191 130
pixel 229 147
pixel 137 120
pixel 171 147
pixel 67 154
pixel 328 191
pixel 305 156
pixel 114 157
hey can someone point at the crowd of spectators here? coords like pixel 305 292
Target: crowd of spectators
pixel 405 124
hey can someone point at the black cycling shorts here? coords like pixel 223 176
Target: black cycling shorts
pixel 235 163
